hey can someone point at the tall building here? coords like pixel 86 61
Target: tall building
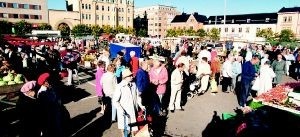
pixel 32 11
pixel 159 18
pixel 241 27
pixel 103 12
pixel 140 24
pixel 185 21
pixel 289 18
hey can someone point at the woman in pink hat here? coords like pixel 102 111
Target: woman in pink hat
pixel 27 109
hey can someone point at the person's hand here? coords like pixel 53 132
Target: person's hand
pixel 126 114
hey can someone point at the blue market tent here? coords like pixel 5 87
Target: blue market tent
pixel 116 47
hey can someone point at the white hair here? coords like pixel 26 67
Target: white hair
pixel 132 53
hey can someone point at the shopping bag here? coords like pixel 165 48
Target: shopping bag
pixel 143 129
pixel 144 132
pixel 256 84
pixel 214 86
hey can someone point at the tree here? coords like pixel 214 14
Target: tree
pixel 265 33
pixel 179 32
pixel 64 29
pixel 190 32
pixel 214 34
pixel 142 33
pixel 81 30
pixel 22 27
pixel 286 35
pixel 119 29
pixel 107 29
pixel 5 27
pixel 171 33
pixel 131 31
pixel 201 33
pixel 97 30
pixel 44 26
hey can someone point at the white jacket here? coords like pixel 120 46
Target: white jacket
pixel 109 83
pixel 127 99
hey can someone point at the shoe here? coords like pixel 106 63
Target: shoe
pixel 181 109
pixel 113 121
pixel 172 111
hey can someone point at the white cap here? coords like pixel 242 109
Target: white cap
pixel 132 53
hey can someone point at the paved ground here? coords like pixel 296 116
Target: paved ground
pixel 86 121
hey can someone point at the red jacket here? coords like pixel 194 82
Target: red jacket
pixel 134 64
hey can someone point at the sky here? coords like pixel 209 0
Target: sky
pixel 209 7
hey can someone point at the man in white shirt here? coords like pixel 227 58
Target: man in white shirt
pixel 204 53
pixel 203 73
pixel 227 73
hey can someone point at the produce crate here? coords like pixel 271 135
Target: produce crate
pixel 293 111
pixel 227 116
pixel 10 89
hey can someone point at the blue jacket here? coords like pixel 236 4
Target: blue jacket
pixel 142 80
pixel 248 71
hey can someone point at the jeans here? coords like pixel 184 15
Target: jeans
pixel 113 112
pixel 70 76
pixel 244 92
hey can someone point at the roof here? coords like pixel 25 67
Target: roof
pixel 184 17
pixel 293 9
pixel 258 18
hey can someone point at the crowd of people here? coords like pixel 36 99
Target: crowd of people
pixel 157 82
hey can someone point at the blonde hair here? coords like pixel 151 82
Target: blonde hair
pixel 111 67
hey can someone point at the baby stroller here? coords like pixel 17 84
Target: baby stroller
pixel 194 87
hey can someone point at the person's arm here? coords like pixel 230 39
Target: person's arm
pixel 139 81
pixel 175 78
pixel 116 98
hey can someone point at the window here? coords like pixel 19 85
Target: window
pixel 159 18
pixel 290 19
pixel 102 17
pixel 226 29
pixel 114 18
pixel 97 7
pixel 257 29
pixel 36 16
pixel 102 8
pixel 86 16
pixel 122 18
pixel 267 19
pixel 247 29
pixel 219 29
pixel 89 6
pixel 90 16
pixel 113 1
pixel 108 8
pixel 284 19
pixel 159 29
pixel 82 6
pixel 15 16
pixel 108 17
pixel 232 21
pixel 5 15
pixel 121 1
pixel 97 17
pixel 159 24
pixel 26 6
pixel 82 16
pixel 36 7
pixel 128 19
pixel 209 22
pixel 26 16
pixel 15 5
pixel 240 30
pixel 184 27
pixel 122 9
pixel 2 4
pixel 248 20
pixel 155 24
pixel 232 30
pixel 191 27
pixel 86 6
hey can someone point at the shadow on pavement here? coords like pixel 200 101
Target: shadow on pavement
pixel 264 122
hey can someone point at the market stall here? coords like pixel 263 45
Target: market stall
pixel 125 47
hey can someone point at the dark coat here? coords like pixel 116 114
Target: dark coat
pixel 29 116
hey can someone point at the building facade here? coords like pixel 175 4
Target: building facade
pixel 103 12
pixel 32 11
pixel 242 27
pixel 289 18
pixel 185 21
pixel 159 18
pixel 69 18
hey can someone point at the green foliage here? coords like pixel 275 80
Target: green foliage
pixel 265 33
pixel 201 33
pixel 131 31
pixel 107 29
pixel 44 26
pixel 81 30
pixel 97 30
pixel 64 29
pixel 171 33
pixel 6 27
pixel 142 33
pixel 286 35
pixel 22 27
pixel 214 34
pixel 190 32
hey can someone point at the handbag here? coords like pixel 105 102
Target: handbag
pixel 213 85
pixel 143 130
pixel 256 84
